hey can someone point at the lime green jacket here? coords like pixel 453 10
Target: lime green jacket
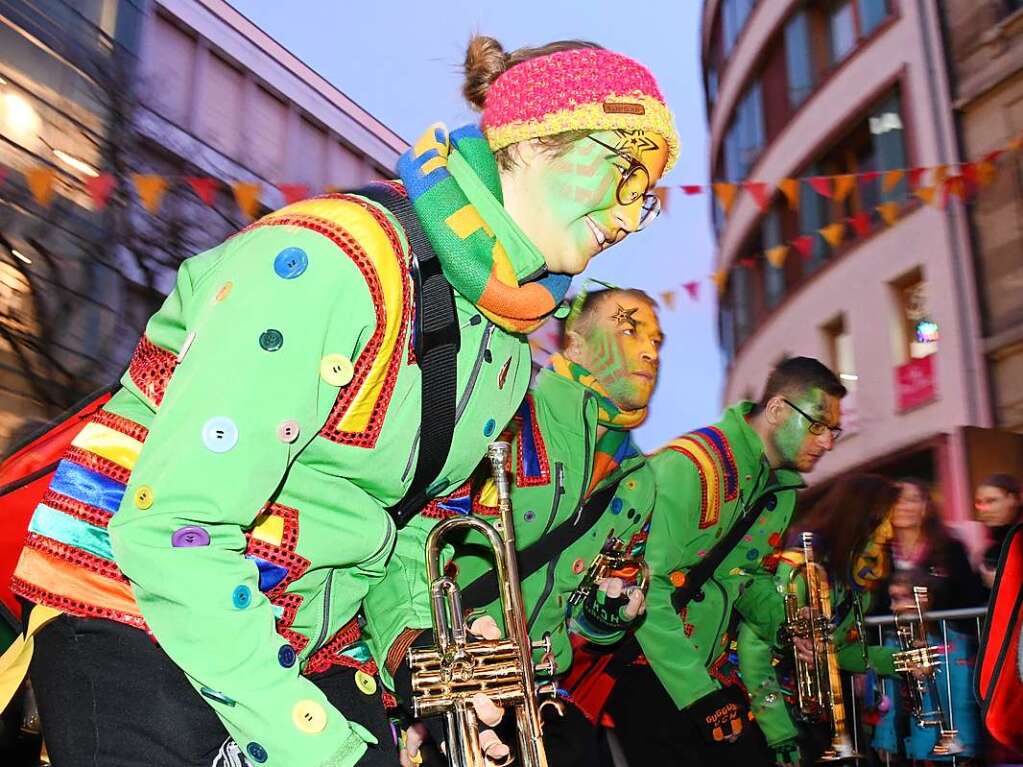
pixel 279 403
pixel 704 480
pixel 553 453
pixel 759 657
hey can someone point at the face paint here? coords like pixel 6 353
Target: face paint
pixel 795 447
pixel 621 348
pixel 568 205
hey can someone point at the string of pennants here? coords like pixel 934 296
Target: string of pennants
pixel 944 184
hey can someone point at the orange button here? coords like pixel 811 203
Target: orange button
pixel 677 578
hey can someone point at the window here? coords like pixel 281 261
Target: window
pixel 742 302
pixel 712 84
pixel 734 14
pixel 774 277
pixel 745 137
pixel 916 332
pixel 872 13
pixel 814 214
pixel 841 31
pixel 838 342
pixel 798 59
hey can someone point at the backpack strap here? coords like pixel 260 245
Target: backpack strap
pixel 437 341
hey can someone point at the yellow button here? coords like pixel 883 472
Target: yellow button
pixel 365 682
pixel 336 369
pixel 224 290
pixel 309 717
pixel 144 497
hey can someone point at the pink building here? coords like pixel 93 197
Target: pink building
pixel 798 90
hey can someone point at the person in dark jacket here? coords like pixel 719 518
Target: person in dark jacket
pixel 999 507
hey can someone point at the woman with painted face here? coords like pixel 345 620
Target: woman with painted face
pixel 231 501
pixel 925 554
pixel 999 507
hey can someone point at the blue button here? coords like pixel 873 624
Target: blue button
pixel 488 427
pixel 290 263
pixel 616 506
pixel 189 536
pixel 257 752
pixel 241 597
pixel 219 697
pixel 286 656
pixel 271 339
pixel 219 434
pixel 529 516
pixel 752 554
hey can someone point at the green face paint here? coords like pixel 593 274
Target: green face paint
pixel 794 446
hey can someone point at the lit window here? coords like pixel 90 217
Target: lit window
pixel 917 334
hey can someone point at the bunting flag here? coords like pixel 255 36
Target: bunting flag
pixel 821 185
pixel 833 233
pixel 969 173
pixel 668 299
pixel 914 175
pixel 985 172
pixel 790 188
pixel 726 195
pixel 861 223
pixel 693 289
pixel 150 188
pixel 891 179
pixel 205 188
pixel 869 176
pixel 804 244
pixel 925 194
pixel 293 193
pixel 1016 144
pixel 844 185
pixel 955 186
pixel 692 189
pixel 720 279
pixel 758 191
pixel 40 182
pixel 99 189
pixel 776 256
pixel 889 212
pixel 748 263
pixel 246 194
pixel 938 175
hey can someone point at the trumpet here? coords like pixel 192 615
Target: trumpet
pixel 918 663
pixel 818 682
pixel 613 560
pixel 447 676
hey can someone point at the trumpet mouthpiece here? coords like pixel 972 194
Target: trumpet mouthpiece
pixel 498 452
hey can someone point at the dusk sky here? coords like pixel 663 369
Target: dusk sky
pixel 401 62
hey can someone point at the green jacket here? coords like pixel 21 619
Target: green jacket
pixel 759 657
pixel 254 518
pixel 553 453
pixel 704 480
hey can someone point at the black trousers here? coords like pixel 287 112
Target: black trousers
pixel 653 731
pixel 109 697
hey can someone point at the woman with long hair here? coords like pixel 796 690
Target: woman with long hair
pixel 999 506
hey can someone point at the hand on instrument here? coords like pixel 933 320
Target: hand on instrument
pixel 804 645
pixel 489 713
pixel 615 588
pixel 415 736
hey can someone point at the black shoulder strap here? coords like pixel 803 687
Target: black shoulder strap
pixel 437 341
pixel 483 590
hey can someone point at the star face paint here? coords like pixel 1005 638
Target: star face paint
pixel 572 211
pixel 621 348
pixel 795 447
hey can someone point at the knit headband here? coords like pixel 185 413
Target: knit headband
pixel 580 89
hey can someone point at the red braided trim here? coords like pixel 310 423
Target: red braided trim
pixel 330 654
pixel 151 368
pixel 75 607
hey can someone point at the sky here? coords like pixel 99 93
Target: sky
pixel 401 61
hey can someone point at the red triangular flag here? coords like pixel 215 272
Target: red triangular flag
pixel 758 191
pixel 205 188
pixel 804 245
pixel 692 189
pixel 969 173
pixel 693 289
pixel 99 189
pixel 861 223
pixel 749 263
pixel 994 156
pixel 821 185
pixel 914 174
pixel 870 175
pixel 292 193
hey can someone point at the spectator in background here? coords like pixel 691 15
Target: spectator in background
pixel 998 506
pixel 924 553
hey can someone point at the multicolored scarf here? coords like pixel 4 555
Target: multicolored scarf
pixel 615 445
pixel 453 182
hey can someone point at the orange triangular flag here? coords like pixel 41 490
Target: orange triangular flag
pixel 985 172
pixel 926 194
pixel 776 256
pixel 844 184
pixel 246 194
pixel 40 181
pixel 726 195
pixel 891 178
pixel 150 188
pixel 99 189
pixel 668 299
pixel 833 233
pixel 720 279
pixel 790 188
pixel 662 195
pixel 889 212
pixel 938 174
pixel 955 186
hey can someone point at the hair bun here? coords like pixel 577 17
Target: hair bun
pixel 485 61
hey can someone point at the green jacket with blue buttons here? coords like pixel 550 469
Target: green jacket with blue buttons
pixel 231 498
pixel 704 480
pixel 555 433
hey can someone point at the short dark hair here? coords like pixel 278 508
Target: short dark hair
pixel 584 307
pixel 796 375
pixel 1007 483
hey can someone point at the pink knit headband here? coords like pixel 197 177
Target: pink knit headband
pixel 580 89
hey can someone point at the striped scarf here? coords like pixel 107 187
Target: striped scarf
pixel 453 182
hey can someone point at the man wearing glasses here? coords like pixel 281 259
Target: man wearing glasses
pixel 679 702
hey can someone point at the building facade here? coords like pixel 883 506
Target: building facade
pixel 882 286
pixel 176 90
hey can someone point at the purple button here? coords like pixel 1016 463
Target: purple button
pixel 189 536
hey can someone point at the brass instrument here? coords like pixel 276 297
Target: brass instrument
pixel 612 561
pixel 445 677
pixel 918 663
pixel 818 682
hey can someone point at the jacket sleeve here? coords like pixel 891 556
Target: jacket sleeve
pixel 215 453
pixel 761 605
pixel 671 654
pixel 767 701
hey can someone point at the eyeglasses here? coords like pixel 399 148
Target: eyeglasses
pixel 817 428
pixel 634 186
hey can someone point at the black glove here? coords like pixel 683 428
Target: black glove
pixel 721 716
pixel 604 613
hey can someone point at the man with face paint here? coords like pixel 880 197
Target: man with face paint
pixel 574 468
pixel 679 702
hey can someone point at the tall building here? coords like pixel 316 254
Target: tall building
pixel 172 91
pixel 835 95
